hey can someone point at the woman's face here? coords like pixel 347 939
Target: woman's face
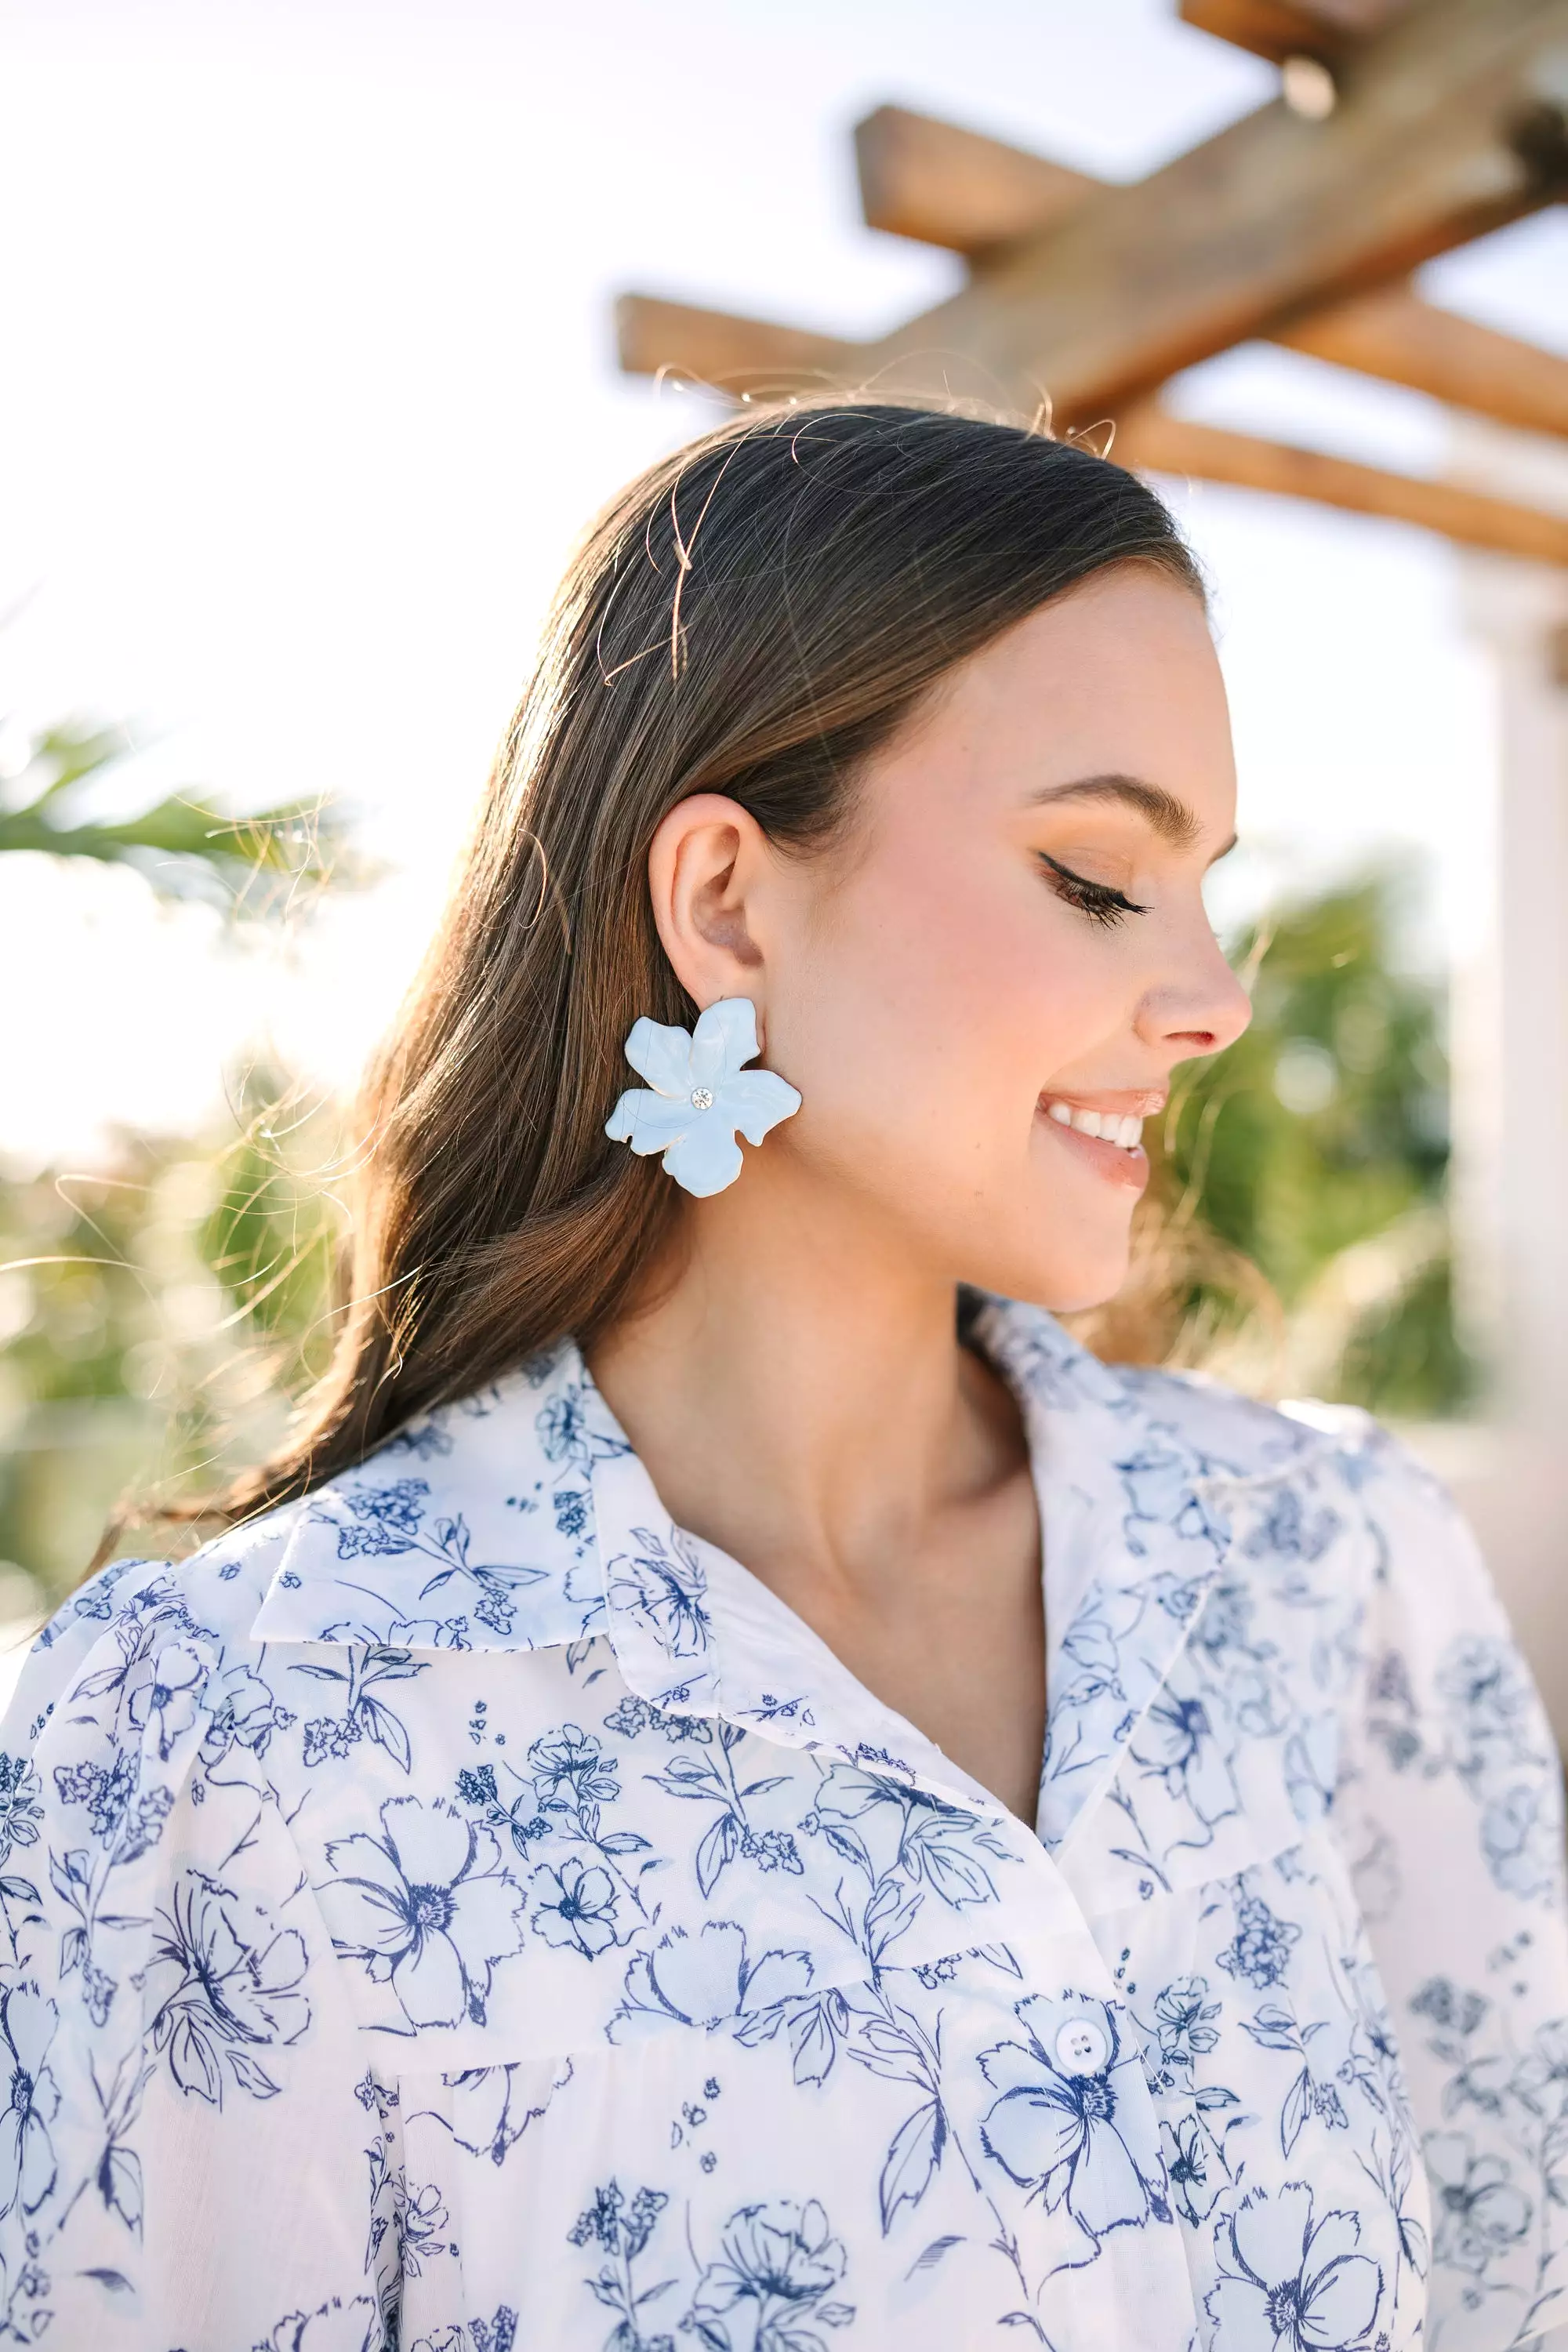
pixel 984 989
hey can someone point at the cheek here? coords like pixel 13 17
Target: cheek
pixel 937 1004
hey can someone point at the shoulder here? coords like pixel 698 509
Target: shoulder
pixel 1240 1436
pixel 1323 1494
pixel 1235 1436
pixel 1232 1435
pixel 368 1515
pixel 224 1583
pixel 195 1615
pixel 1171 1441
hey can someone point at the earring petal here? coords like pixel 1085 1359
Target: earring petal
pixel 755 1100
pixel 705 1159
pixel 725 1036
pixel 648 1122
pixel 662 1057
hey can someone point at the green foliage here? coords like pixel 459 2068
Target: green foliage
pixel 1328 1118
pixel 155 1321
pixel 181 846
pixel 270 1241
pixel 156 1316
pixel 1315 1152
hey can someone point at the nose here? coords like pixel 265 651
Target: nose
pixel 1201 1009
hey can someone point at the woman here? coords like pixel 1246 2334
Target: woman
pixel 573 1866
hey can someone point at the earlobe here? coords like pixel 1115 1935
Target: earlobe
pixel 704 864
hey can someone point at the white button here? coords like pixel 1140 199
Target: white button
pixel 1083 2047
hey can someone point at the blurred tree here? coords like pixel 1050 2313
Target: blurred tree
pixel 157 1315
pixel 156 1320
pixel 1295 1237
pixel 180 846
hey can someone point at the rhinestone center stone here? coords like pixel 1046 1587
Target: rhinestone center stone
pixel 701 1097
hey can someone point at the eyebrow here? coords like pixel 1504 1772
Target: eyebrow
pixel 1171 819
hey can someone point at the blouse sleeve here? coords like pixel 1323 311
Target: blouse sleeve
pixel 1450 1813
pixel 188 2153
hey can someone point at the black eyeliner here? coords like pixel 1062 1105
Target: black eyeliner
pixel 1100 899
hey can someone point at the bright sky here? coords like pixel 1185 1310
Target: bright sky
pixel 309 386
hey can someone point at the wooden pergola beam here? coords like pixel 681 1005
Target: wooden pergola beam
pixel 928 179
pixel 1392 334
pixel 1452 120
pixel 751 358
pixel 1395 335
pixel 1148 438
pixel 943 185
pixel 1278 29
pixel 1447 126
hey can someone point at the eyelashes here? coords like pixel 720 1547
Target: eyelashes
pixel 1098 900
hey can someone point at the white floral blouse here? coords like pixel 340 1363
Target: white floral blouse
pixel 463 1911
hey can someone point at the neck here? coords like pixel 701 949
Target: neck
pixel 795 1385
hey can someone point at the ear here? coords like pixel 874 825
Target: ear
pixel 708 869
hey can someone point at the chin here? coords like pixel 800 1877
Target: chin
pixel 1065 1281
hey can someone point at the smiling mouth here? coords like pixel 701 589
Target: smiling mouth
pixel 1107 1137
pixel 1127 1132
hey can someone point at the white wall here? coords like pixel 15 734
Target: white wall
pixel 1510 1078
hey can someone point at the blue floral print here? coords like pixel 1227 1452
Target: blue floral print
pixel 771 2288
pixel 21 1811
pixel 1183 2031
pixel 571 1432
pixel 1061 2127
pixel 169 1702
pixel 575 1907
pixel 1191 2168
pixel 526 1933
pixel 1291 2282
pixel 710 1778
pixel 707 1980
pixel 662 1583
pixel 1260 1954
pixel 1177 1743
pixel 221 1994
pixel 1478 2212
pixel 28 2164
pixel 523 1823
pixel 570 1771
pixel 427 1906
pixel 367 1710
pixel 1519 1840
pixel 491 2108
pixel 390 1520
pixel 335 2326
pixel 621 2226
pixel 384 1518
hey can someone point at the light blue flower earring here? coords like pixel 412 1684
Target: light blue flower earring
pixel 701 1095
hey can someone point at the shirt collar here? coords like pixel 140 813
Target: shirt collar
pixel 522 1520
pixel 1134 1525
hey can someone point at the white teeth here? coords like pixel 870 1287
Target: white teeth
pixel 1126 1132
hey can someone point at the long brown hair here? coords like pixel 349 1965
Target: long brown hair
pixel 754 616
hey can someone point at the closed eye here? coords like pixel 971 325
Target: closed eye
pixel 1098 900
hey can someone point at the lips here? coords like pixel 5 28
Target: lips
pixel 1105 1132
pixel 1127 1132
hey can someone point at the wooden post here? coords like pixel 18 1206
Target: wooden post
pixel 1508 1196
